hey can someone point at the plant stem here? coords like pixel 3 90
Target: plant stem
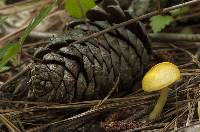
pixel 160 104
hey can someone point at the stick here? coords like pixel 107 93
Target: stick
pixel 171 37
pixel 165 10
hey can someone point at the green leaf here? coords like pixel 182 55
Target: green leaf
pixel 2 19
pixel 78 8
pixel 2 2
pixel 160 22
pixel 4 68
pixel 4 49
pixel 43 13
pixel 180 11
pixel 8 52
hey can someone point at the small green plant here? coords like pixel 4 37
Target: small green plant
pixel 180 11
pixel 2 19
pixel 78 8
pixel 10 51
pixel 2 2
pixel 159 22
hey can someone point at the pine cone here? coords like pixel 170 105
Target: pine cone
pixel 73 72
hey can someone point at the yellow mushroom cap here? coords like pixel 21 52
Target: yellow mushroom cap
pixel 160 76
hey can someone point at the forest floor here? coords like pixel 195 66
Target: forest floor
pixel 178 43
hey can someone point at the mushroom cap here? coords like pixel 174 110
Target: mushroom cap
pixel 160 76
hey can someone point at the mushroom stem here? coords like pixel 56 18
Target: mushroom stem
pixel 160 104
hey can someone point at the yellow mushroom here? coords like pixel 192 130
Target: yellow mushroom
pixel 157 78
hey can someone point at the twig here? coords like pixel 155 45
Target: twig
pixel 192 128
pixel 15 67
pixel 21 6
pixel 146 127
pixel 77 119
pixel 32 45
pixel 197 14
pixel 2 87
pixel 155 37
pixel 9 124
pixel 159 6
pixel 185 109
pixel 34 34
pixel 173 121
pixel 109 94
pixel 194 58
pixel 171 37
pixel 11 36
pixel 72 106
pixel 165 10
pixel 15 33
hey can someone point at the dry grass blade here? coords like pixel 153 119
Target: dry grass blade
pixel 109 94
pixel 81 105
pixel 9 124
pixel 192 128
pixel 28 4
pixel 78 119
pixel 198 109
pixel 26 69
pixel 173 121
pixel 166 37
pixel 194 58
pixel 12 36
